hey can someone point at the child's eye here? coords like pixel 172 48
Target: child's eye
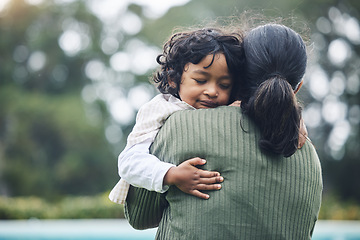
pixel 200 81
pixel 225 86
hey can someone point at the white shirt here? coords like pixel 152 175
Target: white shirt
pixel 136 165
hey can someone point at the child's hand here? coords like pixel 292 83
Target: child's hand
pixel 303 133
pixel 191 180
pixel 236 104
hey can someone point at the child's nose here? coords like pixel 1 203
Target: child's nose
pixel 211 91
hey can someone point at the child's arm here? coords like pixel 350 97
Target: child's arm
pixel 140 168
pixel 190 179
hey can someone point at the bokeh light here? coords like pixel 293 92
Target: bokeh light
pixel 37 61
pixel 339 52
pixel 3 4
pixel 318 83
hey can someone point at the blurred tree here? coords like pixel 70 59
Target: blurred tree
pixel 334 112
pixel 50 144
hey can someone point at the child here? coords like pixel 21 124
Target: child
pixel 198 70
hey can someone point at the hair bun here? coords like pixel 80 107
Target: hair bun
pixel 276 75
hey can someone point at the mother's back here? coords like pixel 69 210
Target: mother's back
pixel 262 196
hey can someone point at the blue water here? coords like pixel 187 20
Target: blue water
pixel 119 229
pixel 337 230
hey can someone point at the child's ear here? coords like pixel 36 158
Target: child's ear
pixel 299 86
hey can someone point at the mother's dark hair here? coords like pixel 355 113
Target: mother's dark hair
pixel 275 62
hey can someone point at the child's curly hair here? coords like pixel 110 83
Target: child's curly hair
pixel 192 47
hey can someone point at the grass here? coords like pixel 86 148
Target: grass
pixel 99 206
pixel 85 207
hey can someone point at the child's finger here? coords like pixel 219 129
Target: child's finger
pixel 303 133
pixel 208 174
pixel 212 180
pixel 302 141
pixel 196 161
pixel 208 187
pixel 199 194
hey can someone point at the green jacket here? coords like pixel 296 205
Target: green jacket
pixel 262 196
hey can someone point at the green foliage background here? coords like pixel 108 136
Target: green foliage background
pixel 53 142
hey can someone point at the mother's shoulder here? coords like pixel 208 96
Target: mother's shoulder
pixel 210 111
pixel 224 115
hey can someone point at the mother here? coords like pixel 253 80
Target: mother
pixel 271 190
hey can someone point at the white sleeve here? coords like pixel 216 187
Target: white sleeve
pixel 141 169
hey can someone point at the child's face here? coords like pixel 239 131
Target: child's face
pixel 203 87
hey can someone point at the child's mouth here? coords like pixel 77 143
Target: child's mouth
pixel 208 104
